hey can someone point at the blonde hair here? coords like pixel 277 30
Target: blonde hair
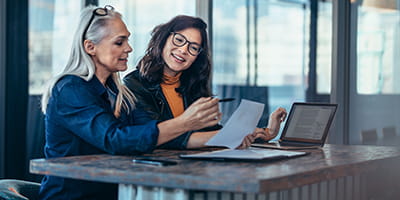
pixel 80 63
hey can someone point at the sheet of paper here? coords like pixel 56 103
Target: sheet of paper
pixel 251 153
pixel 242 122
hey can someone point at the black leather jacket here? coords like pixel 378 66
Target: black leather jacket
pixel 151 98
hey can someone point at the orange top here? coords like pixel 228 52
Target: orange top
pixel 174 99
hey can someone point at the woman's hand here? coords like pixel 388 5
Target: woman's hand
pixel 247 141
pixel 202 113
pixel 264 134
pixel 275 120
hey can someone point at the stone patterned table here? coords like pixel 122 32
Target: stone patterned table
pixel 252 180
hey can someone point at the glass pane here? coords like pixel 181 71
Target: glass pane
pixel 324 47
pixel 374 107
pixel 378 35
pixel 259 52
pixel 50 38
pixel 51 23
pixel 142 16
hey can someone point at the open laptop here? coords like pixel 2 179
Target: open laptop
pixel 307 126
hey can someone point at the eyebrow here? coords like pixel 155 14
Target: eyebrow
pixel 122 37
pixel 189 40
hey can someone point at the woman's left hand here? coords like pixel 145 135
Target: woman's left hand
pixel 247 141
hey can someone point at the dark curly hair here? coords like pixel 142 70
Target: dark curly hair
pixel 194 80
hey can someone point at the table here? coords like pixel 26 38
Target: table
pixel 365 165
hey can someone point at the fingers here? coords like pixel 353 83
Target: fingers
pixel 206 102
pixel 247 141
pixel 206 108
pixel 204 112
pixel 280 114
pixel 264 134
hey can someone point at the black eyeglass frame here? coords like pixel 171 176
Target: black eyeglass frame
pixel 96 12
pixel 186 41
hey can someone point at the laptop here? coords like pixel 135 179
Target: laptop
pixel 249 154
pixel 307 126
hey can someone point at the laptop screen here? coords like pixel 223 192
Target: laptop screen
pixel 309 122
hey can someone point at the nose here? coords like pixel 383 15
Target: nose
pixel 184 49
pixel 128 48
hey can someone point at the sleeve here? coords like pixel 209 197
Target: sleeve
pixel 179 142
pixel 88 117
pixel 146 102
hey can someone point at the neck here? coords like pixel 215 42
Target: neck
pixel 102 77
pixel 168 79
pixel 102 74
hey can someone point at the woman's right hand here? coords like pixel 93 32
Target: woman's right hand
pixel 202 113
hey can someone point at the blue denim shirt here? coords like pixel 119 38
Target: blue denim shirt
pixel 79 121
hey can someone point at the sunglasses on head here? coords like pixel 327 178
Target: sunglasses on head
pixel 96 12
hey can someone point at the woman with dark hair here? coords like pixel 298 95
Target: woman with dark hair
pixel 195 71
pixel 175 73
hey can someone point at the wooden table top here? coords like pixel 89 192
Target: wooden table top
pixel 329 162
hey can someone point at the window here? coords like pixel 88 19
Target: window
pixel 264 47
pixel 50 38
pixel 378 36
pixel 324 47
pixel 52 22
pixel 142 16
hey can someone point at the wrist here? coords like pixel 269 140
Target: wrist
pixel 180 124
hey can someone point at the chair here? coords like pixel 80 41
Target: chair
pixel 253 93
pixel 35 134
pixel 389 132
pixel 390 137
pixel 12 189
pixel 369 136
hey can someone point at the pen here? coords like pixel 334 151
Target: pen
pixel 226 99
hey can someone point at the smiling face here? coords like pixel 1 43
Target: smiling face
pixel 177 58
pixel 111 54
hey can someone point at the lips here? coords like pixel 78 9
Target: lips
pixel 178 58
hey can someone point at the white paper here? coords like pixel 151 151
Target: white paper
pixel 242 122
pixel 251 153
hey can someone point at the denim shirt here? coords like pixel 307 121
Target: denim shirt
pixel 80 121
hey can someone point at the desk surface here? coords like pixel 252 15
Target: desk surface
pixel 330 162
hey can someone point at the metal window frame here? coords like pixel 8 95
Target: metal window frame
pixel 2 85
pixel 14 88
pixel 341 51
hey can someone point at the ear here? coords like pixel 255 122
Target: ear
pixel 89 47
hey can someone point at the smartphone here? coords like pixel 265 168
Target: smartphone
pixel 154 162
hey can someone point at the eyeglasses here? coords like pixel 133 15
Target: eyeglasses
pixel 180 40
pixel 96 12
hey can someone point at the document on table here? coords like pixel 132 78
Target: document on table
pixel 242 122
pixel 248 154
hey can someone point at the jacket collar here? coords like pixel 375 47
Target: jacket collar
pixel 98 87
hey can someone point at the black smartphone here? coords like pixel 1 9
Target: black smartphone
pixel 153 161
